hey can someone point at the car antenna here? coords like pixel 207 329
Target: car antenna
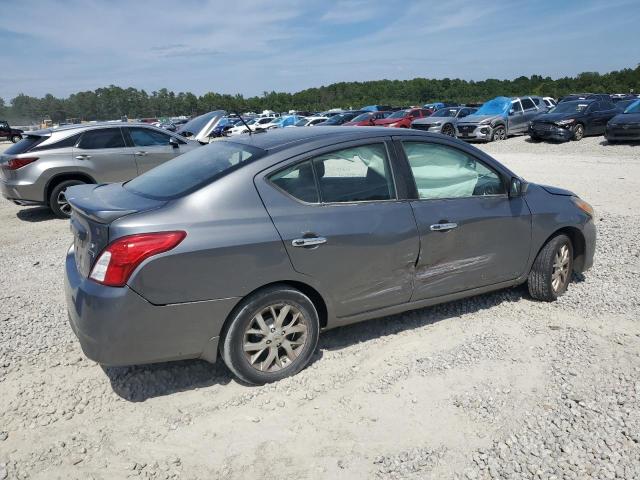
pixel 245 123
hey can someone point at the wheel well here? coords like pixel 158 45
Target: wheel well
pixel 578 243
pixel 63 178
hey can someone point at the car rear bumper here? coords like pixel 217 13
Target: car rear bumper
pixel 117 326
pixel 21 193
pixel 551 133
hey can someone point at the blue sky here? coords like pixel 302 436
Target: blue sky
pixel 252 46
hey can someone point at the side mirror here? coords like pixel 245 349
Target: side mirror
pixel 517 187
pixel 174 142
pixel 512 112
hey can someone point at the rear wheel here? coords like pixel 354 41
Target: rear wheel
pixel 15 138
pixel 448 130
pixel 534 138
pixel 272 335
pixel 58 199
pixel 499 133
pixel 551 272
pixel 578 132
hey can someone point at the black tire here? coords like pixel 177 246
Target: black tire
pixel 499 133
pixel 578 132
pixel 540 281
pixel 448 130
pixel 58 209
pixel 15 138
pixel 535 138
pixel 232 338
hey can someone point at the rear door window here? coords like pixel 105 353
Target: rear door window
pixel 527 104
pixel 102 138
pixel 145 137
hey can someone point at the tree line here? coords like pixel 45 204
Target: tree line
pixel 114 102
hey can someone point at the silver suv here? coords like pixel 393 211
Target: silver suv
pixel 500 118
pixel 38 169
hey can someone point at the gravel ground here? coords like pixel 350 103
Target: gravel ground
pixel 497 386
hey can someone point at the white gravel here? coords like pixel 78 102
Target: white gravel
pixel 496 386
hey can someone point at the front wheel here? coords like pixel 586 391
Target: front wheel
pixel 15 138
pixel 499 133
pixel 448 130
pixel 272 335
pixel 578 132
pixel 551 271
pixel 58 200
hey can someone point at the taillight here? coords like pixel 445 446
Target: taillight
pixel 16 163
pixel 117 262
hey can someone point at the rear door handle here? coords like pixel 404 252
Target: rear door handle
pixel 308 242
pixel 83 157
pixel 141 153
pixel 443 227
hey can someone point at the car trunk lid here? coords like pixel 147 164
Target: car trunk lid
pixel 94 208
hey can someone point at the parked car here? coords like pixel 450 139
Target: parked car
pixel 573 120
pixel 625 126
pixel 367 119
pixel 376 108
pixel 500 118
pixel 246 249
pixel 585 96
pixel 549 101
pixel 439 105
pixel 281 122
pixel 341 118
pixel 402 118
pixel 443 121
pixel 39 168
pixel 310 121
pixel 201 128
pixel 8 133
pixel 258 123
pixel 621 105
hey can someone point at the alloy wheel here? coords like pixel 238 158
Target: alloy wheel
pixel 561 264
pixel 275 337
pixel 448 130
pixel 578 132
pixel 500 134
pixel 63 204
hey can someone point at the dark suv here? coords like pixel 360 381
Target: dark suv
pixel 8 133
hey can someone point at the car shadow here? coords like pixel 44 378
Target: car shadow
pixel 35 214
pixel 141 382
pixel 606 143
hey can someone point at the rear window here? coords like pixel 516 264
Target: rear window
pixel 24 145
pixel 193 170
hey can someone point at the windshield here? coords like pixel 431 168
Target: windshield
pixel 193 170
pixel 569 107
pixel 362 117
pixel 445 112
pixel 399 114
pixel 633 108
pixel 193 126
pixel 497 106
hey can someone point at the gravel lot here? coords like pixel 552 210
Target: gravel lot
pixel 497 386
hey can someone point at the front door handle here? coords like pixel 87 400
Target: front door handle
pixel 141 153
pixel 443 227
pixel 308 242
pixel 83 157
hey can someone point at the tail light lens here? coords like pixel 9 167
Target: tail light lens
pixel 16 163
pixel 118 261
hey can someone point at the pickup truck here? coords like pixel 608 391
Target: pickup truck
pixel 8 133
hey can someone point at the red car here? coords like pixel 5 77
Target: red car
pixel 403 118
pixel 367 119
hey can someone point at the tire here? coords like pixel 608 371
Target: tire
pixel 558 251
pixel 15 138
pixel 448 130
pixel 56 198
pixel 578 132
pixel 272 363
pixel 499 133
pixel 535 138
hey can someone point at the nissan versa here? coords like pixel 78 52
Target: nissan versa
pixel 247 248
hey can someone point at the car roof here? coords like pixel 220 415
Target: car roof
pixel 82 126
pixel 280 138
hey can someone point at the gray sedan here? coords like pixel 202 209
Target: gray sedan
pixel 247 248
pixel 443 121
